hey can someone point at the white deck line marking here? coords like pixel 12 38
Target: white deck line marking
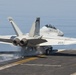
pixel 42 65
pixel 17 63
pixel 60 50
pixel 8 66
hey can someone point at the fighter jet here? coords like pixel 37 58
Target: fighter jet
pixel 34 39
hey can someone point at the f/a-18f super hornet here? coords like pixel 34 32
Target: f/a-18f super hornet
pixel 35 39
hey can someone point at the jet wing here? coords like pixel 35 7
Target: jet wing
pixel 6 39
pixel 58 41
pixel 42 42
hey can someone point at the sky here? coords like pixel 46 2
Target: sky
pixel 58 8
pixel 24 12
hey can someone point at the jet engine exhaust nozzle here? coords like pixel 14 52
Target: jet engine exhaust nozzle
pixel 23 42
pixel 16 41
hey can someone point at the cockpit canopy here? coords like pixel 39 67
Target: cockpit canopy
pixel 50 26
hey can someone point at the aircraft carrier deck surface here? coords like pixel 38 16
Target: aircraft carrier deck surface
pixel 61 63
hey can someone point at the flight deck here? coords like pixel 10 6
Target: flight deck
pixel 60 63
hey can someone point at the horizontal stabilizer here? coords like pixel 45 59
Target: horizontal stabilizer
pixel 16 28
pixel 35 29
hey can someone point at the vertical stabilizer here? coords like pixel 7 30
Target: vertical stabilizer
pixel 16 28
pixel 35 29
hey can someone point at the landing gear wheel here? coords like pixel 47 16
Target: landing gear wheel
pixel 48 51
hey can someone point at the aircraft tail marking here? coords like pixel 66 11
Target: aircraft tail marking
pixel 35 29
